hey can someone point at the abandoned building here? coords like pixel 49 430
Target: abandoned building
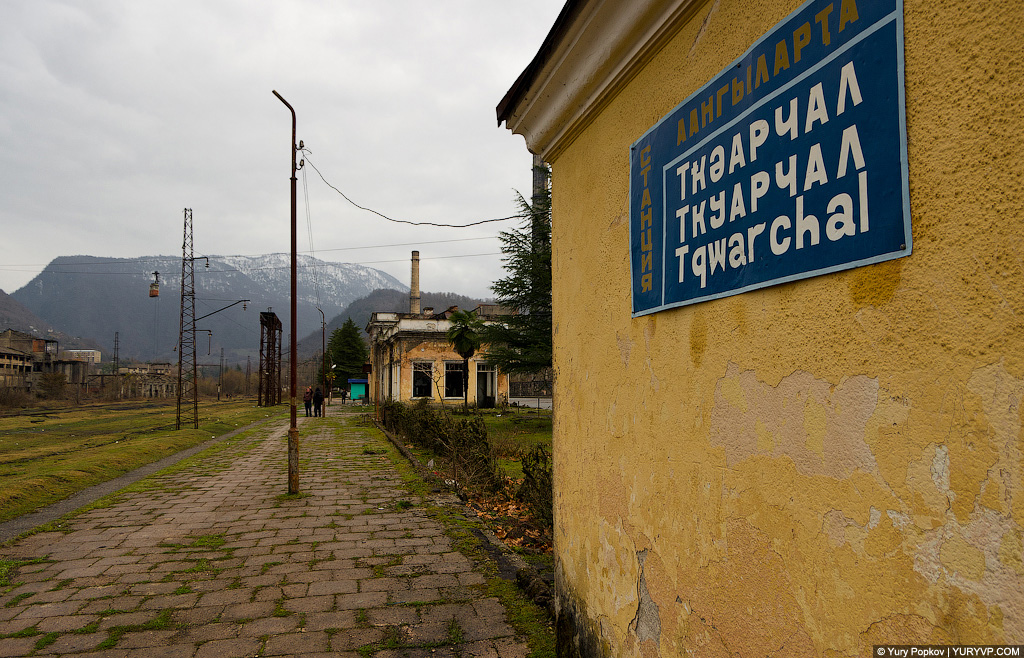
pixel 149 380
pixel 94 357
pixel 15 368
pixel 790 424
pixel 411 358
pixel 25 358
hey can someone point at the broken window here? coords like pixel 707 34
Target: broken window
pixel 422 379
pixel 453 384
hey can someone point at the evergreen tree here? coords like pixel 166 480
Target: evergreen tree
pixel 347 351
pixel 521 343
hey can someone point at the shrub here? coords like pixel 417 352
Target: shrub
pixel 14 398
pixel 462 442
pixel 52 385
pixel 535 491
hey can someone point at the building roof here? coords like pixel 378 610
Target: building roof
pixel 591 51
pixel 526 79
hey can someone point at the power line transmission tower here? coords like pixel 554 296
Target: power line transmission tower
pixel 188 391
pixel 117 363
pixel 269 392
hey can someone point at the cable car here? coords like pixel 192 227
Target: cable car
pixel 154 288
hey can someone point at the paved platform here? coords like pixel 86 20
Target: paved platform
pixel 213 561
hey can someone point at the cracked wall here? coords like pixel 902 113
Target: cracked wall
pixel 812 468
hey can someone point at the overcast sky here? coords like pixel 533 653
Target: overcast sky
pixel 117 114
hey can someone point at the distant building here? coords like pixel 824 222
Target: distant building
pixel 149 380
pixel 89 356
pixel 411 358
pixel 15 367
pixel 26 358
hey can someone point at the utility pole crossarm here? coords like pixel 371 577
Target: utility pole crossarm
pixel 240 301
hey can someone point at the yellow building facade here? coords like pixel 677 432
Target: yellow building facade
pixel 809 468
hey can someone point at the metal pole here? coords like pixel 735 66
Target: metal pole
pixel 323 367
pixel 293 430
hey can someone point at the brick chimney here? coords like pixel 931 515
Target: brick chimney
pixel 414 285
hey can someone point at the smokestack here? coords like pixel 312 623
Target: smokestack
pixel 414 285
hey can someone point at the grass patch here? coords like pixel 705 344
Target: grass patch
pixel 286 497
pixel 525 616
pixel 8 567
pixel 392 640
pixel 201 566
pixel 75 448
pixel 31 631
pixel 209 541
pixel 455 635
pixel 46 640
pixel 161 622
pixel 380 570
pixel 17 599
pixel 267 566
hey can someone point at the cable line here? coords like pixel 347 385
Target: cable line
pixel 401 221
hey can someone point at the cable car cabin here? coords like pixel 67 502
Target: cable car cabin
pixel 154 289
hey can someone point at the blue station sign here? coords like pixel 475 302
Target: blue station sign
pixel 790 163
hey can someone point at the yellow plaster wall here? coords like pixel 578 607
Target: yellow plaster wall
pixel 815 467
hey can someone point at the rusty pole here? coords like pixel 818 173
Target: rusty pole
pixel 323 366
pixel 293 430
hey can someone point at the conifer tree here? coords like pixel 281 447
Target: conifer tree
pixel 347 351
pixel 521 343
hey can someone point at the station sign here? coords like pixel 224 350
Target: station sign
pixel 790 163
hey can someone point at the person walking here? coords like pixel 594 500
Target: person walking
pixel 318 402
pixel 307 399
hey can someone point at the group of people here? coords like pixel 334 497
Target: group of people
pixel 313 400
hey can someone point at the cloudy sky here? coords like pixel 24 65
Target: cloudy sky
pixel 117 114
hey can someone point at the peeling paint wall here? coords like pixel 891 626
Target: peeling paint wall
pixel 816 467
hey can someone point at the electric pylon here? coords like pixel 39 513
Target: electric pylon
pixel 188 391
pixel 117 362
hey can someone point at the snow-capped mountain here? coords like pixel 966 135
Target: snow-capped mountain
pixel 98 297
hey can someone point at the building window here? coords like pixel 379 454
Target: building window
pixel 453 385
pixel 422 379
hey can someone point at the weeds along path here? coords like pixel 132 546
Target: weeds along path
pixel 213 558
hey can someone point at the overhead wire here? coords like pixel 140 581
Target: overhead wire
pixel 400 221
pixel 306 153
pixel 309 232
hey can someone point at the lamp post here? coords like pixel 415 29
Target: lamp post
pixel 323 358
pixel 293 429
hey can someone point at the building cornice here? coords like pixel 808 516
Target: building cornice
pixel 594 48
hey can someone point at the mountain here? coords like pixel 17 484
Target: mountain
pixel 15 316
pixel 394 301
pixel 98 297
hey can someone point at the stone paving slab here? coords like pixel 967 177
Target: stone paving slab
pixel 213 560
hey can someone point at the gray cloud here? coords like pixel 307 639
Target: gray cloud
pixel 116 114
